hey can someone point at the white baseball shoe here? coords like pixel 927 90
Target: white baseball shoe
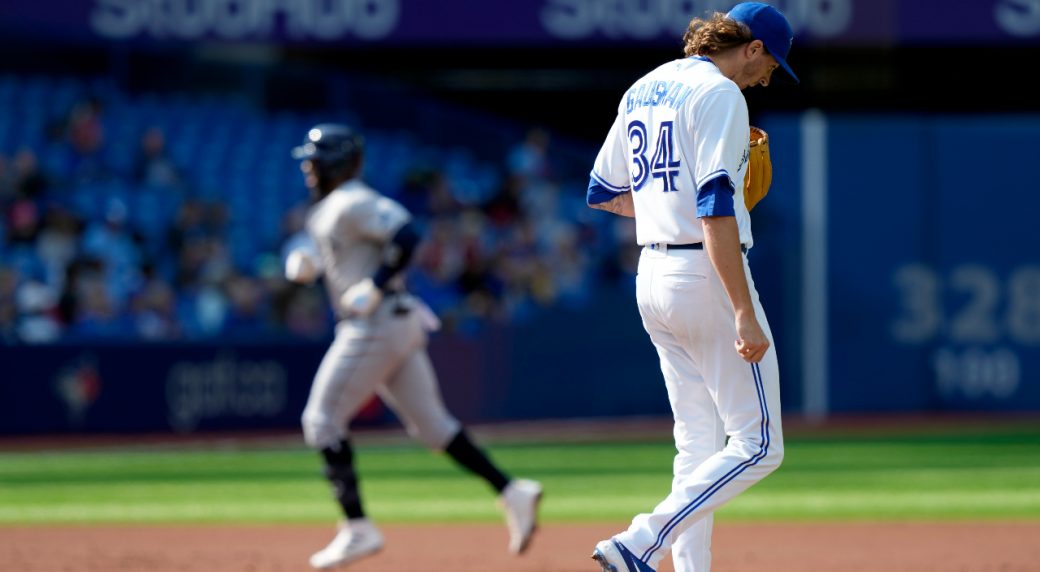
pixel 612 556
pixel 356 539
pixel 520 501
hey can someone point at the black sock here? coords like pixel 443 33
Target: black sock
pixel 339 470
pixel 474 460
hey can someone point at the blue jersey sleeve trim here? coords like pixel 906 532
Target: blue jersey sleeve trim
pixel 715 198
pixel 707 178
pixel 597 193
pixel 603 182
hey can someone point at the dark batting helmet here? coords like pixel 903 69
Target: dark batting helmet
pixel 333 147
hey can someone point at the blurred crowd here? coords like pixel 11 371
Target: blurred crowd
pixel 78 265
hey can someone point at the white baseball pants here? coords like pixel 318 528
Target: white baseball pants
pixel 727 411
pixel 385 354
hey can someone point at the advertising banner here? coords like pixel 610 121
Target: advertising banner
pixel 514 22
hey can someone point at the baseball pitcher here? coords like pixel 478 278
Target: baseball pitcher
pixel 675 159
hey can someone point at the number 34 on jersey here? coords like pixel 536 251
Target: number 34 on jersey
pixel 663 163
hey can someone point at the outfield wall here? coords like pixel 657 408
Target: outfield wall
pixel 905 251
pixel 544 370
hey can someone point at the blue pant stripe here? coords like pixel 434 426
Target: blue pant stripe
pixel 732 474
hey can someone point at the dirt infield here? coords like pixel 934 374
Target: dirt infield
pixel 738 547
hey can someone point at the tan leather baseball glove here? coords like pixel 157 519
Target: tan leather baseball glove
pixel 760 169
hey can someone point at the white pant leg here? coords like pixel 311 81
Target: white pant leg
pixel 701 435
pixel 698 434
pixel 692 324
pixel 363 356
pixel 414 395
pixel 691 551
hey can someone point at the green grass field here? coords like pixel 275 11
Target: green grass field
pixel 980 475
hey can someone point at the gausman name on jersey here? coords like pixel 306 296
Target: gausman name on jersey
pixel 656 92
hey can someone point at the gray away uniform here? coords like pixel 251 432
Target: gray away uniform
pixel 385 353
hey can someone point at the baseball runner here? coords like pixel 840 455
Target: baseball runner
pixel 673 159
pixel 361 243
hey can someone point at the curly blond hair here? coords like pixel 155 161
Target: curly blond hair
pixel 714 35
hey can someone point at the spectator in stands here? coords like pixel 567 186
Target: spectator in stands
pixel 57 244
pixel 191 254
pixel 6 182
pixel 530 158
pixel 280 297
pixel 416 192
pixel 154 308
pixel 442 201
pixel 438 262
pixel 522 275
pixel 69 299
pixel 504 207
pixel 86 135
pixel 247 309
pixel 23 222
pixel 154 166
pixel 29 179
pixel 23 201
pixel 203 271
pixel 475 247
pixel 96 316
pixel 112 242
pixel 8 322
pixel 36 304
pixel 188 222
pixel 197 239
pixel 306 313
pixel 8 312
pixel 202 309
pixel 568 264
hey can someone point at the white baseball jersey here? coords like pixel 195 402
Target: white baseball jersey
pixel 351 227
pixel 677 128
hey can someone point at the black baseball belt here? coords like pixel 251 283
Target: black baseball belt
pixel 690 246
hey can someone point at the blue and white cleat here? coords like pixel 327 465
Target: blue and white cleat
pixel 612 556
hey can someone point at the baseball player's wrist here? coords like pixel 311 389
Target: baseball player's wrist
pixel 300 267
pixel 361 299
pixel 745 313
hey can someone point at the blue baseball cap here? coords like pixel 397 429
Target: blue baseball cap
pixel 769 25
